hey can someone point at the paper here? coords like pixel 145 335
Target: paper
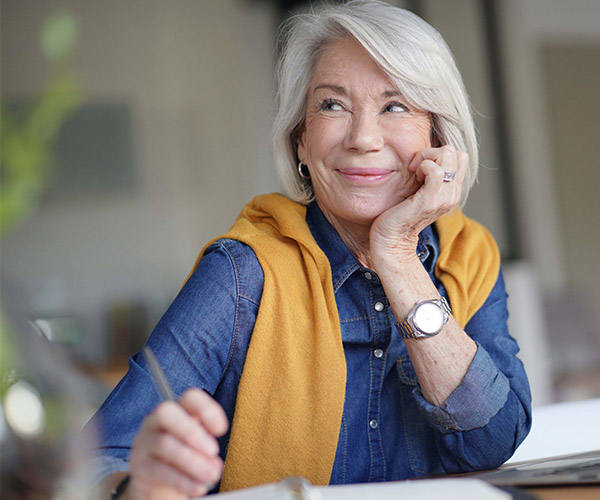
pixel 422 489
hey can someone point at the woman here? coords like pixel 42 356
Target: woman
pixel 320 324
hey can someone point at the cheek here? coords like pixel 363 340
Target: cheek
pixel 409 139
pixel 321 137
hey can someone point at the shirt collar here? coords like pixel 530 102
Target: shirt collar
pixel 342 261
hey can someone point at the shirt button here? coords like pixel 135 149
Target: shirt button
pixel 373 424
pixel 368 275
pixel 378 306
pixel 378 353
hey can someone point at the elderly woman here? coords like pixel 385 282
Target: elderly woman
pixel 354 330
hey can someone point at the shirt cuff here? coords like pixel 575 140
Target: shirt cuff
pixel 103 466
pixel 481 395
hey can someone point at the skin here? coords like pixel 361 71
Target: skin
pixel 175 455
pixel 378 180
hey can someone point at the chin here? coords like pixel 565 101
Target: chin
pixel 366 211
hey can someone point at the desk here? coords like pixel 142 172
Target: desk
pixel 536 477
pixel 565 492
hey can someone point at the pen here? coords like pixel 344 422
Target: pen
pixel 160 379
pixel 162 383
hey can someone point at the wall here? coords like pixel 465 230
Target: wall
pixel 552 285
pixel 197 77
pixel 552 109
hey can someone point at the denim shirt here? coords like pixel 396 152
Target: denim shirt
pixel 388 430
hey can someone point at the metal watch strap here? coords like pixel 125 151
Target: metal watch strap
pixel 405 328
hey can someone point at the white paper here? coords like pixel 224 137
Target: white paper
pixel 422 489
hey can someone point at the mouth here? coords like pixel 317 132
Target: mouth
pixel 364 175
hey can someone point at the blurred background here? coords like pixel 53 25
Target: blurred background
pixel 163 113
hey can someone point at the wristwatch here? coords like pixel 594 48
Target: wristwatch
pixel 426 319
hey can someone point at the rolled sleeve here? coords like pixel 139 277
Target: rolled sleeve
pixel 480 396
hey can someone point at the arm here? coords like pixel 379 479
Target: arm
pixel 196 342
pixel 442 361
pixel 473 391
pixel 489 414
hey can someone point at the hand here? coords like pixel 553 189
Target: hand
pixel 175 454
pixel 396 231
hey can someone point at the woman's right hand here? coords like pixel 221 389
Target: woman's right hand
pixel 175 454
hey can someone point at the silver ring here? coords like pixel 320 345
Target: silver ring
pixel 449 176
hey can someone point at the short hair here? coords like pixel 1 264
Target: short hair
pixel 409 51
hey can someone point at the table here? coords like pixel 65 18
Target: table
pixel 565 492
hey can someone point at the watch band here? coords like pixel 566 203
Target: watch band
pixel 407 328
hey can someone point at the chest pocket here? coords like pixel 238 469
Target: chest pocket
pixel 356 330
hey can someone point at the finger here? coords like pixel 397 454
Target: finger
pixel 436 196
pixel 456 162
pixel 188 467
pixel 209 412
pixel 462 164
pixel 168 449
pixel 438 155
pixel 429 171
pixel 170 417
pixel 152 475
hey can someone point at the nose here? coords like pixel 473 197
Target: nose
pixel 364 134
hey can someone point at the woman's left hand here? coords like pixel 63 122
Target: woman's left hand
pixel 396 231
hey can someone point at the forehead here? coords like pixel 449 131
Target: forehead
pixel 346 60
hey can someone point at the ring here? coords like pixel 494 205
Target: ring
pixel 449 176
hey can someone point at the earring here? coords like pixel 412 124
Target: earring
pixel 303 173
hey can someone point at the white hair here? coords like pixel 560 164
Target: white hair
pixel 409 51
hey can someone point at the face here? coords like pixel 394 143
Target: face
pixel 359 136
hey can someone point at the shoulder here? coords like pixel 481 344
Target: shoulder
pixel 468 263
pixel 458 229
pixel 464 242
pixel 236 259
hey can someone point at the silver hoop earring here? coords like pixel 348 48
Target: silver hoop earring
pixel 304 174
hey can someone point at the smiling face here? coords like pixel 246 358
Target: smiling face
pixel 359 136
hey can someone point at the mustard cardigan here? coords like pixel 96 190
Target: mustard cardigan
pixel 289 406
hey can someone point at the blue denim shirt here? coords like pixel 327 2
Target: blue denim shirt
pixel 388 430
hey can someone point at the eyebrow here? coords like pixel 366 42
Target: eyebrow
pixel 341 90
pixel 335 88
pixel 391 93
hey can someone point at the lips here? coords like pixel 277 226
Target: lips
pixel 364 175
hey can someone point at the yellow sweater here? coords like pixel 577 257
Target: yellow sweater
pixel 291 394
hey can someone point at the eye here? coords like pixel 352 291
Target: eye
pixel 330 105
pixel 396 107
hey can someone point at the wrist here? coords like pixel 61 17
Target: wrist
pixel 398 264
pixel 118 492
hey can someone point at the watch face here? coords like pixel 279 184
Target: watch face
pixel 429 318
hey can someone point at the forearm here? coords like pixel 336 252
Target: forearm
pixel 442 361
pixel 489 413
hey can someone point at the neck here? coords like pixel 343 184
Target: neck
pixel 355 236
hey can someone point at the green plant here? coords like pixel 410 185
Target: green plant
pixel 27 135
